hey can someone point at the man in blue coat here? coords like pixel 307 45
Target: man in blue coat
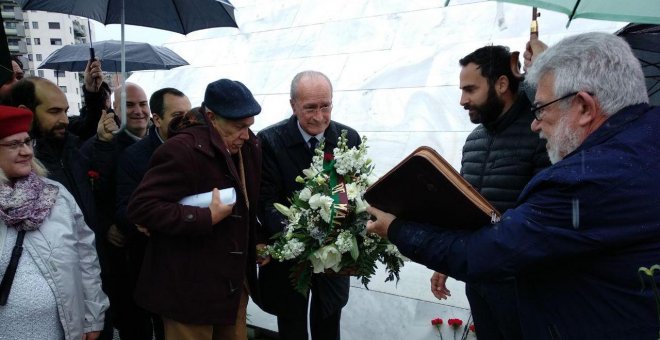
pixel 583 227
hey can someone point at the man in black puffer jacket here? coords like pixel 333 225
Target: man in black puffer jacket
pixel 499 157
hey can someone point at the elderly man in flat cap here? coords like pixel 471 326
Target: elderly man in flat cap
pixel 200 260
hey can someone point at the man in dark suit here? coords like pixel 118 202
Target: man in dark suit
pixel 165 104
pixel 104 155
pixel 287 150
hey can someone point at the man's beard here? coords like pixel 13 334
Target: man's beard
pixel 51 133
pixel 564 141
pixel 489 111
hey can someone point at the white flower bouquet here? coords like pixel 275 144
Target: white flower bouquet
pixel 325 229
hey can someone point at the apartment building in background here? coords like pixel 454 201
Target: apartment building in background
pixel 34 35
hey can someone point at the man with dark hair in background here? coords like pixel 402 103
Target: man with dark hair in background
pixel 165 104
pixel 14 75
pixel 499 157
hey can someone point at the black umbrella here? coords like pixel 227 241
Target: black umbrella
pixel 644 39
pixel 139 56
pixel 180 16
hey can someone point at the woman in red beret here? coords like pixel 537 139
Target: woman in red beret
pixel 50 276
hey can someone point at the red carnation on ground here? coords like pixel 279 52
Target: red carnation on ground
pixel 437 322
pixel 472 328
pixel 455 322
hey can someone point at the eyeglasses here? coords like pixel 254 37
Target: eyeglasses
pixel 324 108
pixel 537 109
pixel 15 145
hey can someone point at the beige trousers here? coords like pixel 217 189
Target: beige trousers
pixel 175 330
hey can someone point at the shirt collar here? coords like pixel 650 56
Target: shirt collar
pixel 307 136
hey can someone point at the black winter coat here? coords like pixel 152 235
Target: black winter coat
pixel 285 155
pixel 68 166
pixel 500 158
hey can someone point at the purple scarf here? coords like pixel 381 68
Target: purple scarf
pixel 26 205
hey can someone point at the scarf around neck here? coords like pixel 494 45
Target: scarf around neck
pixel 27 204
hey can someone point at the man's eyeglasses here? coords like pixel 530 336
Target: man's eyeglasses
pixel 324 108
pixel 15 145
pixel 537 109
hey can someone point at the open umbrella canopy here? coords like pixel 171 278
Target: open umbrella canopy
pixel 139 56
pixel 640 11
pixel 180 16
pixel 645 43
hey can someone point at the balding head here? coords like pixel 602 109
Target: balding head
pixel 137 109
pixel 48 103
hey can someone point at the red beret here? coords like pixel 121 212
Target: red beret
pixel 14 120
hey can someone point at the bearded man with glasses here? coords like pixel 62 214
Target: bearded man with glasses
pixel 583 227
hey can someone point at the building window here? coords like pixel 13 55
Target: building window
pixel 10 25
pixel 55 41
pixel 12 42
pixel 30 57
pixel 26 25
pixel 28 41
pixel 63 88
pixel 7 8
pixel 32 73
pixel 40 73
pixel 54 25
pixel 38 56
pixel 37 41
pixel 59 74
pixel 35 25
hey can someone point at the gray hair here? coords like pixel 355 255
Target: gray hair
pixel 37 167
pixel 310 74
pixel 600 63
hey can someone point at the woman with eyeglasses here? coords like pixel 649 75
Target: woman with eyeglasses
pixel 50 284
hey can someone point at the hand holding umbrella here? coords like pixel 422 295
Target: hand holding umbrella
pixel 93 75
pixel 532 49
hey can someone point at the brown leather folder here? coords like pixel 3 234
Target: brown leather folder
pixel 425 188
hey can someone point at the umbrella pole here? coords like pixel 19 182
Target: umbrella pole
pixel 123 71
pixel 91 44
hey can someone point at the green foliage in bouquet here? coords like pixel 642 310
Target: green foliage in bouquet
pixel 325 229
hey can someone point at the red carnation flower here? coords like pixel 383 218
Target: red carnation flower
pixel 472 328
pixel 328 157
pixel 93 177
pixel 455 322
pixel 437 322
